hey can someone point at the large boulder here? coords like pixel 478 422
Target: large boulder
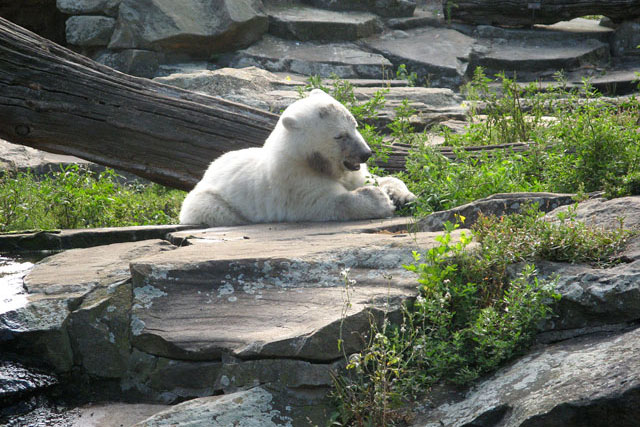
pixel 90 30
pixel 439 55
pixel 592 381
pixel 90 283
pixel 196 28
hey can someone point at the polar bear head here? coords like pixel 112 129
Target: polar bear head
pixel 324 133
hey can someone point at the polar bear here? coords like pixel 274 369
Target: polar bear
pixel 311 168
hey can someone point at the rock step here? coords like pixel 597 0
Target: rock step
pixel 440 56
pixel 528 60
pixel 82 238
pixel 346 60
pixel 308 23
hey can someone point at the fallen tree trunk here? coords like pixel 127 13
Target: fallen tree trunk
pixel 58 101
pixel 529 12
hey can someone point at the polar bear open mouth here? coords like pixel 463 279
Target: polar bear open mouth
pixel 351 166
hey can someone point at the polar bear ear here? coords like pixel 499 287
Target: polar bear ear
pixel 317 92
pixel 290 123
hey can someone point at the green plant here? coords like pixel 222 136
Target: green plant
pixel 576 141
pixel 463 324
pixel 449 5
pixel 441 183
pixel 403 74
pixel 594 144
pixel 77 198
pixel 513 113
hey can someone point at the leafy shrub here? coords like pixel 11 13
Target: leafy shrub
pixel 78 198
pixel 527 236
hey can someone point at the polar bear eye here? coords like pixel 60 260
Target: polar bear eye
pixel 340 137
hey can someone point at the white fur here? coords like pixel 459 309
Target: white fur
pixel 298 175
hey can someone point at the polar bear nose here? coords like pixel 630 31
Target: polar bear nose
pixel 365 155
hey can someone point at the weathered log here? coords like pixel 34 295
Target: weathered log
pixel 529 12
pixel 56 100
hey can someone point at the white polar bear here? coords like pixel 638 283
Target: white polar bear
pixel 311 168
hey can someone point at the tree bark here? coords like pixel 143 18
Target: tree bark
pixel 58 101
pixel 529 12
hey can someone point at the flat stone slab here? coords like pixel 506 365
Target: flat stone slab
pixel 103 414
pixel 308 23
pixel 57 240
pixel 346 60
pixel 439 54
pixel 272 290
pixel 263 89
pixel 525 57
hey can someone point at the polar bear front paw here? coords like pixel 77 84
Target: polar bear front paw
pixel 396 190
pixel 374 203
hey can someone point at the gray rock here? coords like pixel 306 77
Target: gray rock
pixel 626 39
pixel 346 60
pixel 87 7
pixel 20 158
pixel 439 55
pixel 497 204
pixel 425 15
pixel 610 214
pixel 89 31
pixel 388 8
pixel 137 62
pixel 591 381
pixel 265 298
pixel 109 413
pixel 306 23
pixel 250 86
pixel 593 297
pixel 578 28
pixel 197 28
pixel 525 58
pixel 18 381
pixel 99 331
pixel 254 407
pixel 170 380
pixel 574 30
pixel 262 89
pixel 84 279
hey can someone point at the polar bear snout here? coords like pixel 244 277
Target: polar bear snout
pixel 355 151
pixel 365 155
pixel 353 161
